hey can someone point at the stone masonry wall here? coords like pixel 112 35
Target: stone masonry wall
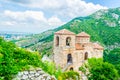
pixel 33 75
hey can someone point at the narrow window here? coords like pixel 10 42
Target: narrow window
pixel 57 41
pixel 69 58
pixel 68 39
pixel 86 56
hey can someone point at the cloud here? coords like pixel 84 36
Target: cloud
pixel 33 20
pixel 9 23
pixel 35 16
pixel 55 21
pixel 77 8
pixel 23 16
pixel 64 8
pixel 43 4
pixel 20 1
pixel 42 15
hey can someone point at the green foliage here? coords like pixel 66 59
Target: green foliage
pixel 99 70
pixel 113 57
pixel 49 67
pixel 58 73
pixel 69 75
pixel 14 59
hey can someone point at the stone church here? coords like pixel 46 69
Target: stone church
pixel 71 50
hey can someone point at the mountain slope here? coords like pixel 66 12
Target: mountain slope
pixel 103 26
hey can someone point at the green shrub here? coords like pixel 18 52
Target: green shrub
pixel 14 59
pixel 69 75
pixel 99 70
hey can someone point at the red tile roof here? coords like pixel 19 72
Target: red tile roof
pixel 78 46
pixel 83 34
pixel 65 31
pixel 97 46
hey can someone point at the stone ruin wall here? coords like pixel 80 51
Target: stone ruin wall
pixel 33 75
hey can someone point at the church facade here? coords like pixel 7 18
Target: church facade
pixel 71 50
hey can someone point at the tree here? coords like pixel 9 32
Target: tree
pixel 113 57
pixel 99 70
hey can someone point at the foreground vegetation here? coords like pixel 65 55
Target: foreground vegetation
pixel 107 68
pixel 96 69
pixel 113 57
pixel 14 59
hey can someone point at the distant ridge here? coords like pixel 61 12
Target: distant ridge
pixel 103 27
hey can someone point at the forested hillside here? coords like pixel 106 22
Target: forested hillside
pixel 103 26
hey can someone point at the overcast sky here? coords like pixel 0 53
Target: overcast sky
pixel 37 16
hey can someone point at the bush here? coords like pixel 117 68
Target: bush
pixel 14 59
pixel 69 75
pixel 113 57
pixel 99 70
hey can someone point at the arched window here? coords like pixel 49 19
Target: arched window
pixel 69 58
pixel 57 41
pixel 71 69
pixel 68 39
pixel 86 56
